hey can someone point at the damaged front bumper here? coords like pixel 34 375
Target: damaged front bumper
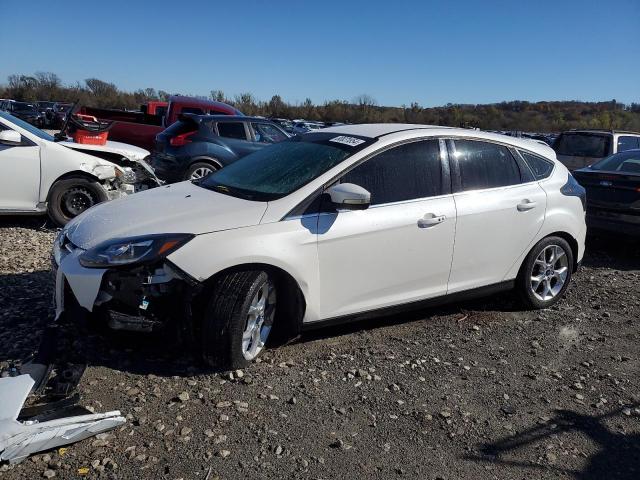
pixel 142 298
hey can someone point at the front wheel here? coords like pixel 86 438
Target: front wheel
pixel 546 273
pixel 238 319
pixel 72 196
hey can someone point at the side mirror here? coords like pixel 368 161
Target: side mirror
pixel 10 137
pixel 349 196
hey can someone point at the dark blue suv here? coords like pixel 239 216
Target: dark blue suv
pixel 197 145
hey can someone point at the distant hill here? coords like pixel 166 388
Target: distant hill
pixel 514 115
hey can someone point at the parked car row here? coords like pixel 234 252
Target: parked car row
pixel 199 141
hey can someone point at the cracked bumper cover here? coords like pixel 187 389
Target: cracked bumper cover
pixel 140 298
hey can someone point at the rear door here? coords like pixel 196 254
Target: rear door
pixel 238 137
pixel 399 249
pixel 500 209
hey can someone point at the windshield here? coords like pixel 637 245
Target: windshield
pixel 625 162
pixel 583 145
pixel 280 169
pixel 26 126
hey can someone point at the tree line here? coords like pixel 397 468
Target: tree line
pixel 551 116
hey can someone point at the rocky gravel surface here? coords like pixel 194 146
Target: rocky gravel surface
pixel 476 390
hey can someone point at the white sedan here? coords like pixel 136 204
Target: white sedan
pixel 39 175
pixel 343 223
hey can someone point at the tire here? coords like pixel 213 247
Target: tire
pixel 546 273
pixel 70 197
pixel 199 170
pixel 231 313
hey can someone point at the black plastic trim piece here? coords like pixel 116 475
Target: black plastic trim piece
pixel 430 302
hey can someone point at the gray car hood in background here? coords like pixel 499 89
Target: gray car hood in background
pixel 178 208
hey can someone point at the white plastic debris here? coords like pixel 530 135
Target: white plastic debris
pixel 18 440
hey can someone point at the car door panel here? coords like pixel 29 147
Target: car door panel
pixel 494 228
pixel 19 177
pixel 381 256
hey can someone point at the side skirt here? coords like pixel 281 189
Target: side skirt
pixel 417 305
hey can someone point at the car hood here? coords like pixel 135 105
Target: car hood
pixel 178 208
pixel 129 151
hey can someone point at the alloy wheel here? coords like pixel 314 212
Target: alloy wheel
pixel 259 321
pixel 200 172
pixel 549 272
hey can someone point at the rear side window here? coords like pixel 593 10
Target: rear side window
pixel 180 127
pixel 406 172
pixel 540 167
pixel 232 130
pixel 583 145
pixel 485 165
pixel 266 133
pixel 628 142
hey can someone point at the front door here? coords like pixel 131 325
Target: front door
pixel 19 176
pixel 398 250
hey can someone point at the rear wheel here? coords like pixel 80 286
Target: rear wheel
pixel 199 170
pixel 546 273
pixel 72 196
pixel 238 319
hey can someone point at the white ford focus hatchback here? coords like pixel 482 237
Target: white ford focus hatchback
pixel 342 223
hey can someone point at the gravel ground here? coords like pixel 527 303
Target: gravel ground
pixel 473 390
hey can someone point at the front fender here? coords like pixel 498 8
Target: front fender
pixel 287 245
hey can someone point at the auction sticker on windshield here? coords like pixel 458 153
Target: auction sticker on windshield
pixel 351 141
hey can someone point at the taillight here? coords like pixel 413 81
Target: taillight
pixel 180 140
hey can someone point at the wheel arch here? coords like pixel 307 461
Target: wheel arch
pixel 70 175
pixel 570 239
pixel 206 159
pixel 289 319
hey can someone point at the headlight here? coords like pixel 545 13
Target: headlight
pixel 134 250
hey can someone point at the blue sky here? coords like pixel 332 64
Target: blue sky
pixel 396 51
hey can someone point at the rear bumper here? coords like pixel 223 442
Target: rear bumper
pixel 168 169
pixel 598 220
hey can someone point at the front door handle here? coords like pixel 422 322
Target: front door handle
pixel 430 219
pixel 525 205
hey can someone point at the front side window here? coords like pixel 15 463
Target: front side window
pixel 27 126
pixel 485 165
pixel 232 130
pixel 628 142
pixel 540 167
pixel 592 145
pixel 406 172
pixel 266 133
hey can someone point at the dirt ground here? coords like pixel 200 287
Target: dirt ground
pixel 476 390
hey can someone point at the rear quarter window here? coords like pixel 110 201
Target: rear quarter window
pixel 540 167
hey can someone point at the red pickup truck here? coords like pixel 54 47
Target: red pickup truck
pixel 140 128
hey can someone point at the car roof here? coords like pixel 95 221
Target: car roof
pixel 601 130
pixel 225 118
pixel 390 130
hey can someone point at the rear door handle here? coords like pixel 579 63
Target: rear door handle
pixel 430 219
pixel 525 205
